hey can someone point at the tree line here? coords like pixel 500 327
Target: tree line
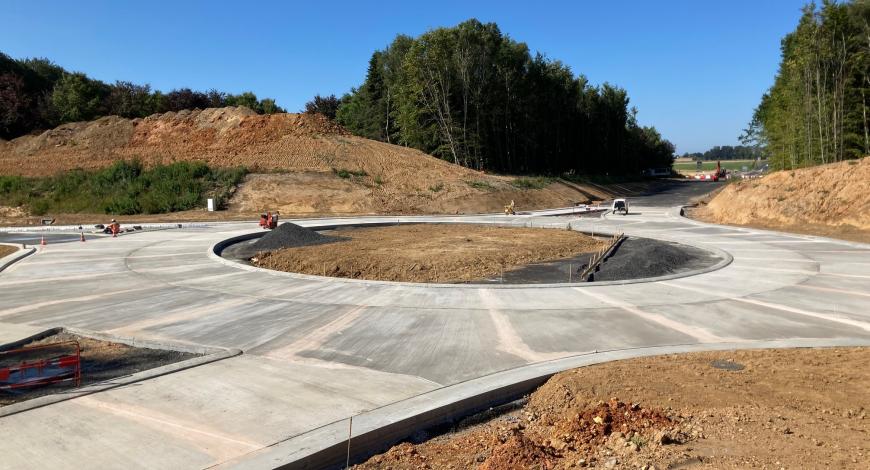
pixel 36 94
pixel 817 109
pixel 473 96
pixel 727 152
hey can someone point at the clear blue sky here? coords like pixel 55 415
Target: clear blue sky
pixel 694 69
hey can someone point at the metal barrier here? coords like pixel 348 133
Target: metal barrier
pixel 44 364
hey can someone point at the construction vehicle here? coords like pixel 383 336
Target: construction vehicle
pixel 268 221
pixel 619 205
pixel 509 209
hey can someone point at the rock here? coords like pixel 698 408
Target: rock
pixel 598 420
pixel 633 446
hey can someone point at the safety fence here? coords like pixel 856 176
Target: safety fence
pixel 45 364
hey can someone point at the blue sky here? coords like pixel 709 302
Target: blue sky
pixel 694 69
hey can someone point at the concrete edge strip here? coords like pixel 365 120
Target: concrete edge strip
pixel 15 257
pixel 376 430
pixel 211 354
pixel 681 213
pixel 215 250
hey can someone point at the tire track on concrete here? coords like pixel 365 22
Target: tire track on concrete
pixel 509 340
pixel 783 308
pixel 218 445
pixel 699 334
pixel 315 340
pixel 84 298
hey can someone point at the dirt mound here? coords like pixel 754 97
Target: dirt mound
pixel 311 164
pixel 430 252
pixel 827 199
pixel 795 408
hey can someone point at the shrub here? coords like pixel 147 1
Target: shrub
pixel 535 182
pixel 480 184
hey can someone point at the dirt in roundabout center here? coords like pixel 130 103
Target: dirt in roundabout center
pixel 429 252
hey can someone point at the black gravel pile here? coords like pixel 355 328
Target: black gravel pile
pixel 287 235
pixel 642 257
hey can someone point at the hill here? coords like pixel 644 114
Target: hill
pixel 300 163
pixel 830 200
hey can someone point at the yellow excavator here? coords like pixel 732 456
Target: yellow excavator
pixel 509 209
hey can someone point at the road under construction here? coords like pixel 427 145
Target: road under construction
pixel 316 351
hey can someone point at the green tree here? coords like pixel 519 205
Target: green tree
pixel 78 98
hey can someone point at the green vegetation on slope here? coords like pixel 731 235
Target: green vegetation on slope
pixel 817 109
pixel 125 188
pixel 475 97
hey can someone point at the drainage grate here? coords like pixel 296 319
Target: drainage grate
pixel 727 365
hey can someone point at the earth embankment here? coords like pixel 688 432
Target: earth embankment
pixel 300 164
pixel 829 200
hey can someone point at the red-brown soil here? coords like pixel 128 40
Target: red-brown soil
pixel 797 408
pixel 429 252
pixel 830 200
pixel 295 160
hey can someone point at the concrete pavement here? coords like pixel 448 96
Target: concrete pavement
pixel 318 350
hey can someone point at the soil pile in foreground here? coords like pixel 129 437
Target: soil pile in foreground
pixel 830 200
pixel 430 252
pixel 799 408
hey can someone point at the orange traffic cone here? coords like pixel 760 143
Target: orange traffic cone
pixel 83 236
pixel 42 241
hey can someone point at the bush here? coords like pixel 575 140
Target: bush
pixel 125 188
pixel 534 182
pixel 343 173
pixel 480 184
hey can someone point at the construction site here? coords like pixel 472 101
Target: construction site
pixel 203 333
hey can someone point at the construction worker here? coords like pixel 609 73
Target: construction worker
pixel 275 220
pixel 115 227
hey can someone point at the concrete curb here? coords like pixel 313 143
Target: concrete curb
pixel 212 354
pixel 680 212
pixel 215 250
pixel 15 257
pixel 75 228
pixel 378 429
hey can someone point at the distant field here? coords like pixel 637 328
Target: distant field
pixel 706 166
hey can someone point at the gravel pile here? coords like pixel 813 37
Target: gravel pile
pixel 642 257
pixel 287 235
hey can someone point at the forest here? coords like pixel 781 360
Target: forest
pixel 816 111
pixel 727 152
pixel 473 96
pixel 36 94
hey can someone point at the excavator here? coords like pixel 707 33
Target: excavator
pixel 509 209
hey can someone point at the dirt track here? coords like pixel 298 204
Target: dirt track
pixel 799 408
pixel 429 252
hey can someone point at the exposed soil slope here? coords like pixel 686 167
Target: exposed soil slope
pixel 429 252
pixel 831 200
pixel 304 158
pixel 799 408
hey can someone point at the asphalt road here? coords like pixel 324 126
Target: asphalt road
pixel 319 350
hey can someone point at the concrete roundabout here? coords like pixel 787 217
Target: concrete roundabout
pixel 396 356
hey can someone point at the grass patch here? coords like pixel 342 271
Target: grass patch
pixel 125 188
pixel 345 174
pixel 436 188
pixel 480 184
pixel 532 182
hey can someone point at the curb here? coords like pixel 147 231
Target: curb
pixel 15 257
pixel 212 354
pixel 378 429
pixel 215 250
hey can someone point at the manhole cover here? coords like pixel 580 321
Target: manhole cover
pixel 727 365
